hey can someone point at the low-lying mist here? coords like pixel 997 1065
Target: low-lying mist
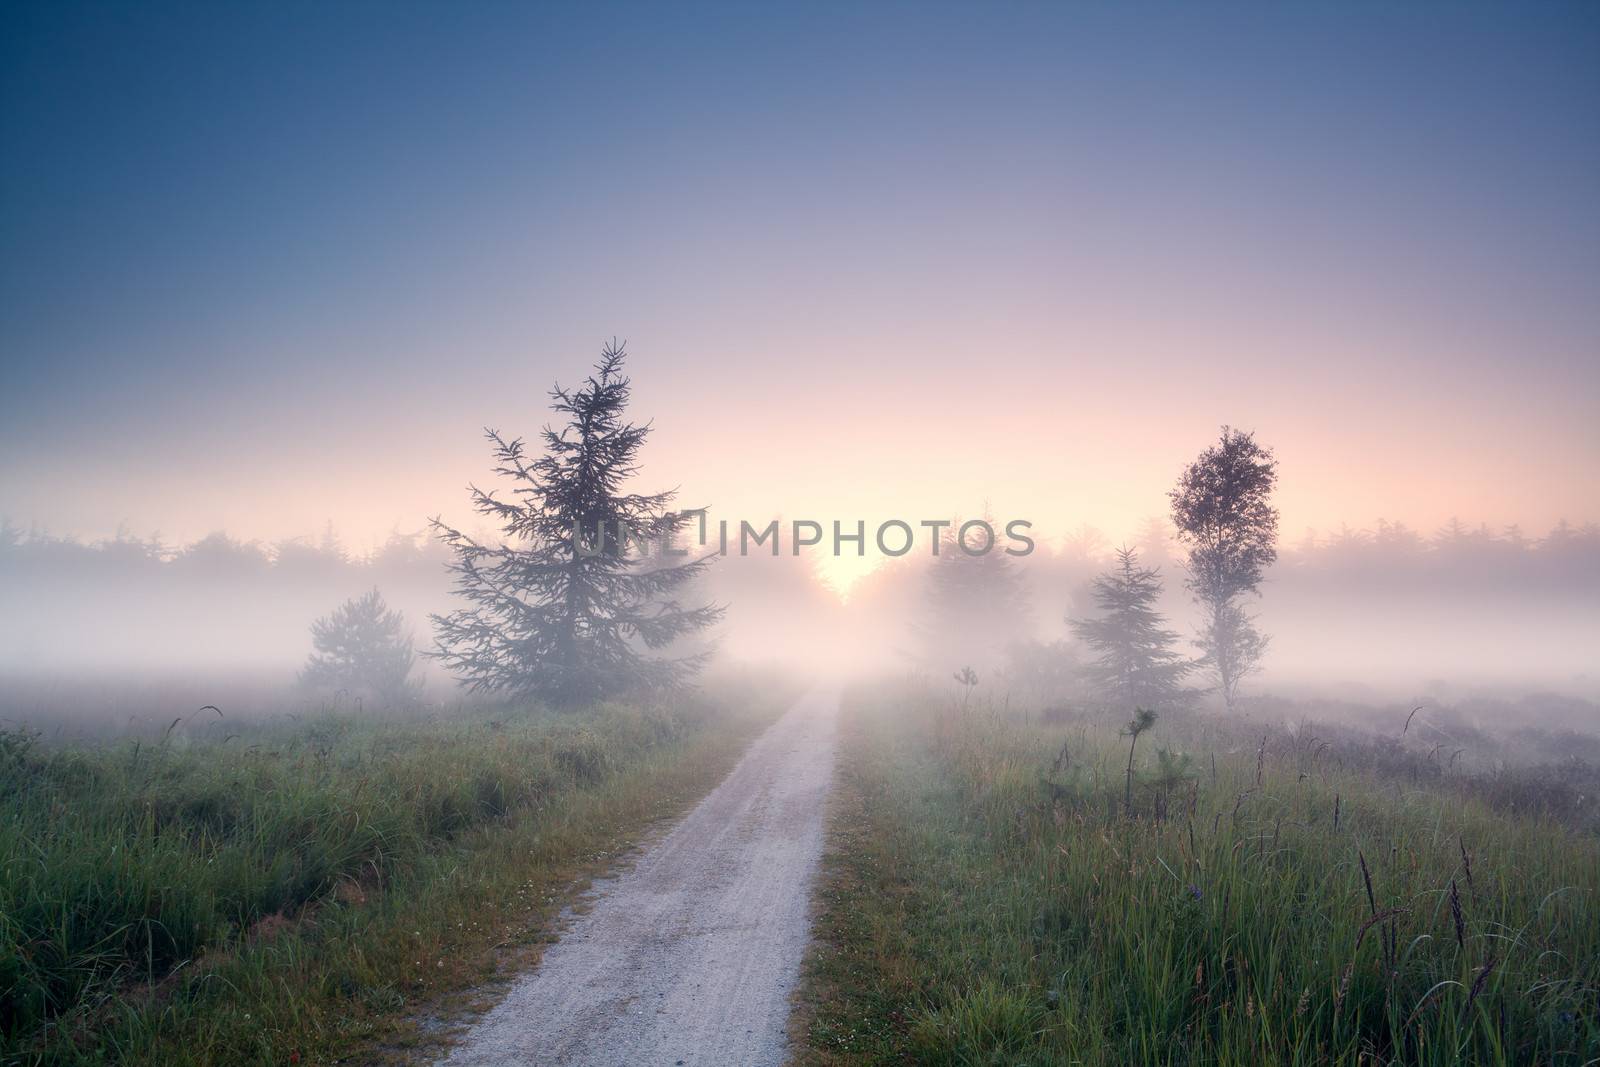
pixel 124 629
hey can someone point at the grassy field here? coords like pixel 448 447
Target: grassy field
pixel 311 889
pixel 991 896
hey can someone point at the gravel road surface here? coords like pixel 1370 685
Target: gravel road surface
pixel 688 956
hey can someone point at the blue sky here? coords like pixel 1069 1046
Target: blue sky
pixel 262 266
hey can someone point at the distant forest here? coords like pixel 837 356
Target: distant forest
pixel 1356 604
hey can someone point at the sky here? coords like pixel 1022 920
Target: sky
pixel 269 266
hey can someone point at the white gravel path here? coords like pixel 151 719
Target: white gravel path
pixel 690 955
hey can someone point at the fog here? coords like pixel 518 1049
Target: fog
pixel 131 628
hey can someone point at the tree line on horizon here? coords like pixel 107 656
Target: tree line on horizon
pixel 219 555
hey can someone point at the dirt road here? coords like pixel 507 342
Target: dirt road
pixel 689 956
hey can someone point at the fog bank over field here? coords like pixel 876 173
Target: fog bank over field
pixel 128 624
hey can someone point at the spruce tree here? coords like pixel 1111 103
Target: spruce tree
pixel 1135 665
pixel 565 607
pixel 363 648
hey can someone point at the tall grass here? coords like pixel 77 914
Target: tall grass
pixel 997 901
pixel 136 873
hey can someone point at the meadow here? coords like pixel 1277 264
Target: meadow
pixel 307 888
pixel 999 890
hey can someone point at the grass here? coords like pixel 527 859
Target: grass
pixel 989 898
pixel 308 890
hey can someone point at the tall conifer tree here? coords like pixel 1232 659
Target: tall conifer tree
pixel 567 606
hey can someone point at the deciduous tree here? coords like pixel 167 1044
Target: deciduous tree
pixel 1222 508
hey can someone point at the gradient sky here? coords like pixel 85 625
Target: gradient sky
pixel 266 266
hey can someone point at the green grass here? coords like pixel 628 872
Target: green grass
pixel 979 907
pixel 306 889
